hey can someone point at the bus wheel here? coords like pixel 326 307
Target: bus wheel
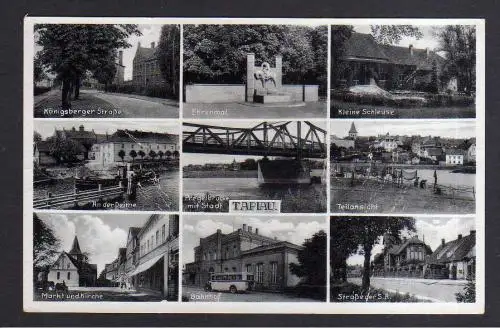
pixel 208 288
pixel 233 289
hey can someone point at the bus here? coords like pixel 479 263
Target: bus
pixel 233 282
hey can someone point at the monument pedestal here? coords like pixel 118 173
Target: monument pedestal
pixel 269 99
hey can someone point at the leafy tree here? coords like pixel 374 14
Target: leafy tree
pixel 38 70
pixel 176 154
pixel 45 245
pixel 217 53
pixel 458 42
pixel 70 50
pixel 152 154
pixel 121 154
pixel 169 48
pixel 161 154
pixel 339 35
pixel 367 230
pixel 37 137
pixel 392 34
pixel 107 71
pixel 469 293
pixel 142 154
pixel 64 150
pixel 168 153
pixel 312 260
pixel 342 245
pixel 133 154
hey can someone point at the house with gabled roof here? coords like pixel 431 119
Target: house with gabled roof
pixel 72 268
pixel 408 254
pixel 390 67
pixel 146 66
pixel 455 259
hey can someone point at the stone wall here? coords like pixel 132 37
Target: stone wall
pixel 215 93
pixel 299 92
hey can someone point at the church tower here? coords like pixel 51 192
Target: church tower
pixel 353 133
pixel 76 252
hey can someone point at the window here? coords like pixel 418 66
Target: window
pixel 58 275
pixel 123 146
pixel 69 275
pixel 157 237
pixel 67 266
pixel 274 272
pixel 259 272
pixel 163 232
pixel 152 241
pixel 249 267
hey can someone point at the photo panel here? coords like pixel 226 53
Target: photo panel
pixel 403 166
pixel 254 166
pixel 106 70
pixel 106 165
pixel 105 257
pixel 255 71
pixel 254 259
pixel 402 259
pixel 403 71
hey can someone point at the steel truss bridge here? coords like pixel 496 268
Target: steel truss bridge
pixel 299 139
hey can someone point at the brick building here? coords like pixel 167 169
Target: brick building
pixel 146 67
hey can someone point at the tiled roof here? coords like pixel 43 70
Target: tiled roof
pixel 434 151
pixel 82 266
pixel 134 231
pixel 353 128
pixel 455 250
pixel 454 151
pixel 77 134
pixel 272 246
pixel 364 46
pixel 397 249
pixel 146 53
pixel 142 136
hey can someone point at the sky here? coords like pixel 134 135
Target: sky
pixel 150 33
pixel 443 128
pixel 293 229
pixel 427 41
pixel 100 235
pixel 46 128
pixel 431 230
pixel 190 158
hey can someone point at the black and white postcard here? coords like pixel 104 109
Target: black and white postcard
pixel 105 166
pixel 252 166
pixel 89 257
pixel 254 259
pixel 403 71
pixel 255 71
pixel 403 259
pixel 106 70
pixel 403 166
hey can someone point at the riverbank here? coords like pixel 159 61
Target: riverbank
pixel 400 166
pixel 220 174
pixel 370 196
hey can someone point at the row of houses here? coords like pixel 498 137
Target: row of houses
pixel 455 259
pixel 121 146
pixel 244 250
pixel 149 261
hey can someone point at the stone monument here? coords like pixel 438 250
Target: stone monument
pixel 264 83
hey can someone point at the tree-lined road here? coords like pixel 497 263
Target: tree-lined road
pixel 107 105
pixel 427 289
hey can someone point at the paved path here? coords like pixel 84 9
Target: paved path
pixel 429 289
pixel 197 294
pixel 101 105
pixel 250 110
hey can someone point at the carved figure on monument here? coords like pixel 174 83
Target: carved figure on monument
pixel 265 74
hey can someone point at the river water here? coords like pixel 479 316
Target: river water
pixel 248 188
pixel 163 196
pixel 445 177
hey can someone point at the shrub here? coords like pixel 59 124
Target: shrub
pixel 469 293
pixel 40 90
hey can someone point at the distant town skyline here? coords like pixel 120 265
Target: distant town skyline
pixel 46 128
pixel 457 129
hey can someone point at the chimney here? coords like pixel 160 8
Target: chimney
pixel 459 236
pixel 152 45
pixel 473 232
pixel 244 227
pixel 256 231
pixel 81 128
pixel 411 49
pixel 239 229
pixel 139 44
pixel 120 57
pixel 219 231
pixel 249 229
pixel 442 242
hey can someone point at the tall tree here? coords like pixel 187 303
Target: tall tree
pixel 133 154
pixel 70 50
pixel 393 34
pixel 312 260
pixel 64 150
pixel 106 71
pixel 340 34
pixel 367 231
pixel 37 137
pixel 45 245
pixel 38 70
pixel 458 42
pixel 343 243
pixel 169 46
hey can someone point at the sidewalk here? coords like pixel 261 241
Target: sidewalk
pixel 163 101
pixel 44 96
